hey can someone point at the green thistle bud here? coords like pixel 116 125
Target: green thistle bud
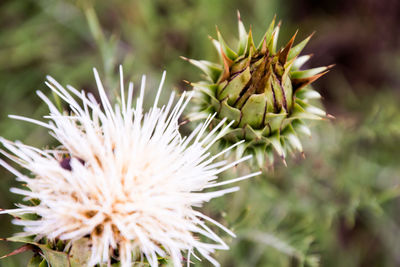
pixel 263 90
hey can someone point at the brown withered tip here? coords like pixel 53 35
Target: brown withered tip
pixel 187 82
pixel 285 51
pixel 329 67
pixel 303 155
pixel 184 58
pixel 300 83
pixel 227 63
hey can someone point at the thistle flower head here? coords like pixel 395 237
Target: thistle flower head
pixel 263 90
pixel 125 179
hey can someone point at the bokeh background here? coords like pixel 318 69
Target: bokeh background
pixel 337 207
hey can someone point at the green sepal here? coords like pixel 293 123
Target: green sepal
pixel 268 34
pixel 288 89
pixel 212 70
pixel 298 112
pixel 275 140
pixel 253 110
pixel 240 149
pixel 307 73
pixel 259 152
pixel 234 135
pixel 280 97
pixel 296 50
pixel 306 93
pixel 300 61
pixel 229 112
pixel 251 134
pixel 300 127
pixel 311 109
pixel 250 47
pixel 270 154
pixel 274 120
pixel 235 86
pixel 225 48
pixel 242 37
pixel 292 138
pixel 208 89
pixel 274 39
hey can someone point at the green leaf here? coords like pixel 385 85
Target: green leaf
pixel 54 258
pixel 36 261
pixel 80 253
pixel 22 239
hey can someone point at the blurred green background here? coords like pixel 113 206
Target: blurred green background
pixel 337 207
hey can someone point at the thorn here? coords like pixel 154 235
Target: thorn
pixel 330 66
pixel 283 55
pixel 300 83
pixel 216 28
pixel 185 121
pixel 19 250
pixel 330 116
pixel 284 161
pixel 311 35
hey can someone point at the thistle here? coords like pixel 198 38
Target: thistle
pixel 262 89
pixel 123 186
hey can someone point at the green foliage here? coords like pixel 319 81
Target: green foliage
pixel 337 207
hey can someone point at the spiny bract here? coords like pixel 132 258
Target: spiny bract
pixel 263 90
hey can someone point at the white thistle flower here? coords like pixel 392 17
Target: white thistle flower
pixel 127 180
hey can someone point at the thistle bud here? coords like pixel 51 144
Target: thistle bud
pixel 263 90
